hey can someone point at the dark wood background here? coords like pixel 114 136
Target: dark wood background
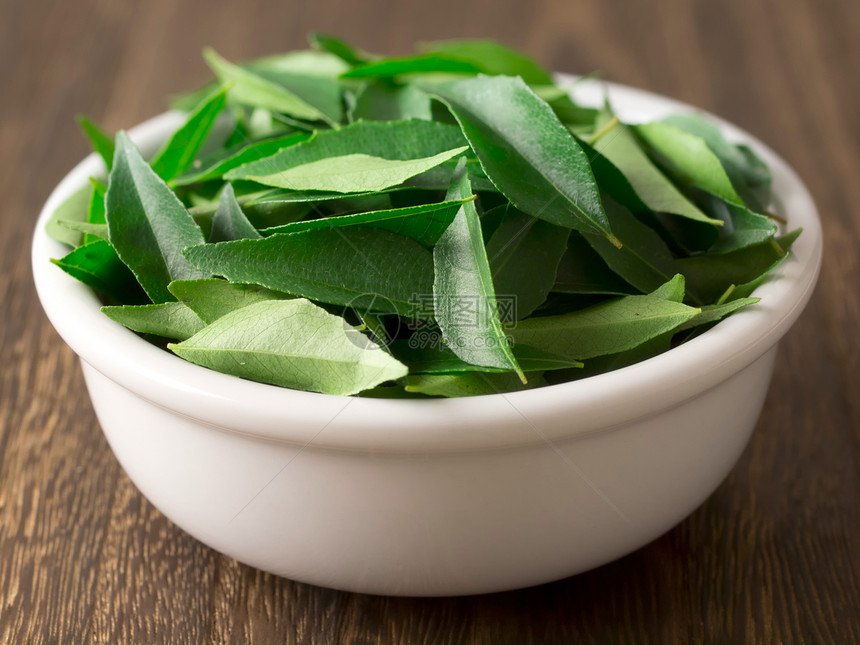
pixel 772 557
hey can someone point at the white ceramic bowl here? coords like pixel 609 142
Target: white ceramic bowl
pixel 434 497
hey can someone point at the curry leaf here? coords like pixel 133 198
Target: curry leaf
pixel 714 313
pixel 97 265
pixel 607 328
pixel 350 266
pixel 339 48
pixel 742 226
pixel 643 260
pixel 659 194
pixel 688 158
pixel 582 270
pixel 147 224
pixel 526 151
pixel 168 319
pixel 217 166
pixel 89 230
pixel 321 92
pixel 400 140
pixel 353 173
pixel 96 212
pixel 424 223
pixel 101 142
pixel 384 102
pixel 524 254
pixel 438 359
pixel 491 57
pixel 748 174
pixel 292 343
pixel 467 384
pixel 180 150
pixel 229 222
pixel 72 209
pixel 212 298
pixel 250 88
pixel 463 293
pixel 710 274
pixel 428 63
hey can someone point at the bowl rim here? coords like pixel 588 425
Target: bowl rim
pixel 486 422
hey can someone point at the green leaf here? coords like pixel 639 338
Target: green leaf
pixel 401 140
pixel 167 319
pixel 689 159
pixel 610 362
pixel 249 88
pixel 180 150
pixel 612 181
pixel 292 343
pixel 229 222
pixel 714 313
pixel 384 102
pixel 306 62
pixel 643 260
pixel 96 264
pixel 339 48
pixel 424 223
pixel 374 327
pixel 96 209
pixel 743 227
pixel 353 173
pixel 72 209
pixel 607 328
pixel 672 290
pixel 463 293
pixel 212 298
pixel 582 270
pixel 526 151
pixel 744 289
pixel 435 358
pixel 100 142
pixel 748 174
pixel 576 118
pixel 219 164
pixel 96 213
pixel 352 266
pixel 148 225
pixel 710 274
pixel 323 93
pixel 491 57
pixel 427 64
pixel 524 255
pixel 653 188
pixel 89 230
pixel 468 384
pixel 757 177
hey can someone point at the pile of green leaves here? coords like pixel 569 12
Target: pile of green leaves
pixel 444 224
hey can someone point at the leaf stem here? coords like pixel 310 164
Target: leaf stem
pixel 725 295
pixel 606 128
pixel 776 217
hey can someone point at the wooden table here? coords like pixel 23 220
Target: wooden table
pixel 772 557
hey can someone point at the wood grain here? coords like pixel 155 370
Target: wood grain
pixel 772 557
